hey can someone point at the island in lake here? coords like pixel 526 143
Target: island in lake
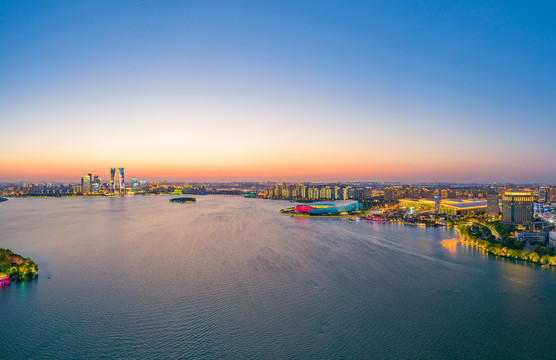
pixel 182 200
pixel 14 267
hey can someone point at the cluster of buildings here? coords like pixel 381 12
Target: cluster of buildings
pixel 317 192
pixel 91 184
pixel 450 207
pixel 513 207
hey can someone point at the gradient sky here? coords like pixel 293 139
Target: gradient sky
pixel 286 90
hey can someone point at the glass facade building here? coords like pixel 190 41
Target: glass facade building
pixel 327 207
pixel 517 208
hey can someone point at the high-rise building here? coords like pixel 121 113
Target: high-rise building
pixel 338 193
pixel 542 195
pixel 134 185
pixel 304 193
pixel 117 180
pixel 86 184
pixel 517 208
pixel 493 209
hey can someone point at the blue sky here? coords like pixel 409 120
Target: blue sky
pixel 419 90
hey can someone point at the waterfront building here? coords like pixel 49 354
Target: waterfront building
pixel 328 207
pixel 134 185
pixel 531 237
pixel 447 206
pixel 142 185
pixel 517 208
pixel 117 180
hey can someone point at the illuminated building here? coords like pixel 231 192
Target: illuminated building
pixel 86 183
pixel 327 207
pixel 517 208
pixel 117 180
pixel 444 194
pixel 134 185
pixel 493 209
pixel 304 193
pixel 447 206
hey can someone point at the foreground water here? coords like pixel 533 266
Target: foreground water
pixel 226 277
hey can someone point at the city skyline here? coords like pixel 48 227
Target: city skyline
pixel 279 91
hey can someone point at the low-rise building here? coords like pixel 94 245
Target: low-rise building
pixel 531 237
pixel 447 206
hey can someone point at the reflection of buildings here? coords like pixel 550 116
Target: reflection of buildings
pixel 450 244
pixel 517 208
pixel 117 180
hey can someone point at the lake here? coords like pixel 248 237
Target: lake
pixel 229 277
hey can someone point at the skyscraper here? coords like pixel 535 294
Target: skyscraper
pixel 117 180
pixel 86 184
pixel 517 208
pixel 493 209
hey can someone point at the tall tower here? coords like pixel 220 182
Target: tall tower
pixel 117 180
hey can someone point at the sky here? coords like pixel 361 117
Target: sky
pixel 410 91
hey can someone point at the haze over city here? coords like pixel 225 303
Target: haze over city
pixel 302 91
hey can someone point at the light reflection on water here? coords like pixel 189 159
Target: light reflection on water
pixel 138 277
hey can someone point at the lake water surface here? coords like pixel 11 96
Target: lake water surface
pixel 228 277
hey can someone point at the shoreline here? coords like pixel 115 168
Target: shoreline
pixel 497 249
